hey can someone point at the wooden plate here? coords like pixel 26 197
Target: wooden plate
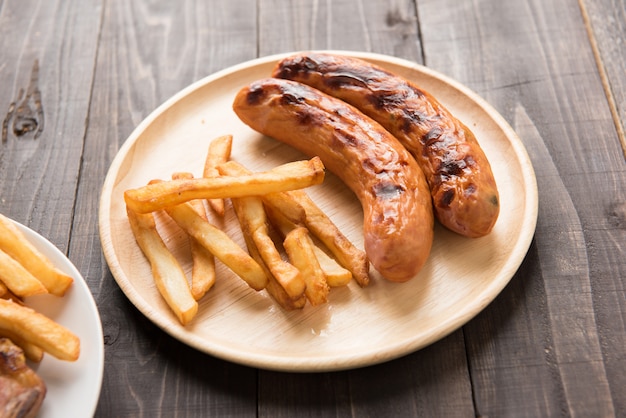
pixel 357 327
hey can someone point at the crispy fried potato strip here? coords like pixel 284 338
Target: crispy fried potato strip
pixel 297 208
pixel 322 227
pixel 289 176
pixel 15 244
pixel 17 279
pixel 169 276
pixel 219 244
pixel 251 215
pixel 203 261
pixel 335 274
pixel 299 247
pixel 273 288
pixel 219 153
pixel 39 330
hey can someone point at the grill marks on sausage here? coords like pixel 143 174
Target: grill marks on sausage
pixel 386 188
pixel 436 141
pixel 255 95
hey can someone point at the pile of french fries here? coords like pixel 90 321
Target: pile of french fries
pixel 24 272
pixel 294 251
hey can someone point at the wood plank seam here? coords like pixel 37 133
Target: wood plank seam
pixel 606 85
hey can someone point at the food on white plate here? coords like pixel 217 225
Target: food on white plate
pixel 464 192
pixel 22 391
pixel 26 334
pixel 38 329
pixel 397 208
pixel 15 244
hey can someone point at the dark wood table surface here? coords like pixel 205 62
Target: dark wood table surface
pixel 76 77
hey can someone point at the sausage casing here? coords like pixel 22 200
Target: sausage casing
pixel 462 185
pixel 398 219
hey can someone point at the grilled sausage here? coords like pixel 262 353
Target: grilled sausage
pixel 398 219
pixel 462 185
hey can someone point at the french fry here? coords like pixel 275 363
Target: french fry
pixel 335 274
pixel 286 214
pixel 299 248
pixel 289 176
pixel 251 215
pixel 322 227
pixel 219 153
pixel 203 261
pixel 274 288
pixel 253 221
pixel 281 200
pixel 219 244
pixel 15 244
pixel 17 279
pixel 39 330
pixel 169 276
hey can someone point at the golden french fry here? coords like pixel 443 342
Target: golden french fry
pixel 39 330
pixel 299 248
pixel 275 290
pixel 203 261
pixel 280 200
pixel 169 276
pixel 298 208
pixel 219 244
pixel 253 221
pixel 17 279
pixel 251 215
pixel 322 227
pixel 219 153
pixel 202 271
pixel 335 274
pixel 295 175
pixel 32 352
pixel 15 244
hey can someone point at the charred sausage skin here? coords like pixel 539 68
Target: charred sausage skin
pixel 462 185
pixel 398 219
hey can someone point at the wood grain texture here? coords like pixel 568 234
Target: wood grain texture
pixel 606 26
pixel 431 383
pixel 547 87
pixel 47 72
pixel 388 27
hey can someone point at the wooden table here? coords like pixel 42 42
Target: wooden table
pixel 553 343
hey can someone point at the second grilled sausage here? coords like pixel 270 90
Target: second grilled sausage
pixel 463 188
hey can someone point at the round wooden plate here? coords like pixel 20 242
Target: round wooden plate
pixel 358 326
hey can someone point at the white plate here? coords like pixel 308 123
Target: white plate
pixel 73 387
pixel 357 327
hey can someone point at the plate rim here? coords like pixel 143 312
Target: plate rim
pixel 269 362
